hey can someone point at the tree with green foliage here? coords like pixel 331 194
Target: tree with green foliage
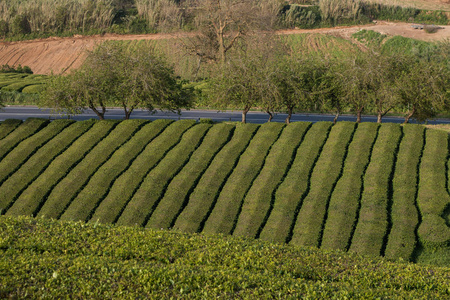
pixel 114 74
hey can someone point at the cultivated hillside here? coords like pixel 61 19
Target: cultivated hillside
pixel 368 188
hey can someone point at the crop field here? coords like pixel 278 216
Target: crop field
pixel 24 83
pixel 377 190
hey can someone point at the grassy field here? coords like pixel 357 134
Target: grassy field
pixel 346 186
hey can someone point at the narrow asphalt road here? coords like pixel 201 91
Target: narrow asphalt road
pixel 24 112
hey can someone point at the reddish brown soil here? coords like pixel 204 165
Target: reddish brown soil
pixel 58 55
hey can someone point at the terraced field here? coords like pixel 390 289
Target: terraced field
pixel 378 190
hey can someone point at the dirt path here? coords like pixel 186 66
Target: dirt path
pixel 58 55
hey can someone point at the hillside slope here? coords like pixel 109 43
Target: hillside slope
pixel 378 190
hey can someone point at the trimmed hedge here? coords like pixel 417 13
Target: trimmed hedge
pixel 372 226
pixel 177 192
pixel 312 216
pixel 25 130
pixel 66 189
pixel 404 214
pixel 20 154
pixel 344 202
pixel 36 193
pixel 202 199
pixel 30 170
pixel 126 184
pixel 433 197
pixel 227 208
pixel 148 195
pixel 7 126
pixel 258 200
pixel 95 190
pixel 50 259
pixel 292 190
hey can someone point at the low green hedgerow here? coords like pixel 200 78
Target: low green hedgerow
pixel 41 258
pixel 7 126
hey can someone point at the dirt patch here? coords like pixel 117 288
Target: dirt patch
pixel 59 55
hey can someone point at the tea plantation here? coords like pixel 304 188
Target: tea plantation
pixel 378 190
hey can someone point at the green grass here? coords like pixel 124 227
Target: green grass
pixel 28 128
pixel 95 190
pixel 202 199
pixel 27 148
pixel 295 185
pixel 226 210
pixel 258 200
pixel 433 198
pixel 52 259
pixel 7 126
pixel 127 183
pixel 344 201
pixel 152 188
pixel 372 226
pixel 37 163
pixel 405 217
pixel 35 195
pixel 179 189
pixel 309 224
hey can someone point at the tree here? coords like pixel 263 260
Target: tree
pixel 129 76
pixel 423 89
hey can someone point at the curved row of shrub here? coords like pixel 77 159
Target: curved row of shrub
pixel 310 220
pixel 206 192
pixel 373 221
pixel 177 192
pixel 7 126
pixel 127 183
pixel 344 202
pixel 33 167
pixel 405 217
pixel 28 128
pixel 259 198
pixel 94 191
pixel 149 193
pixel 35 195
pixel 290 193
pixel 433 197
pixel 224 214
pixel 28 147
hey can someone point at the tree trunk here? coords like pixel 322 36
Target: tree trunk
pixel 358 116
pixel 244 114
pixel 379 116
pixel 288 118
pixel 270 115
pixel 100 115
pixel 409 115
pixel 336 116
pixel 127 112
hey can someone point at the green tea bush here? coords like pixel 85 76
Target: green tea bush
pixel 404 215
pixel 126 184
pixel 344 201
pixel 62 194
pixel 36 193
pixel 227 208
pixel 289 195
pixel 28 128
pixel 372 226
pixel 28 147
pixel 35 165
pixel 309 224
pixel 95 190
pixel 259 198
pixel 42 258
pixel 202 199
pixel 179 189
pixel 433 197
pixel 7 126
pixel 152 188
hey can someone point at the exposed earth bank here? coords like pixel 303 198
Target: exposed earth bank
pixel 59 55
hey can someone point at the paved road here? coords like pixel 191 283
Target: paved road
pixel 18 112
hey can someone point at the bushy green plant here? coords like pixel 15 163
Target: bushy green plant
pixel 7 126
